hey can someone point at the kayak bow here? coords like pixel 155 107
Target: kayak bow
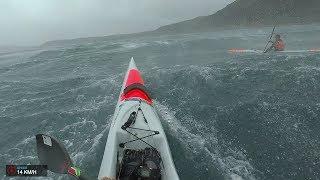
pixel 133 86
pixel 137 146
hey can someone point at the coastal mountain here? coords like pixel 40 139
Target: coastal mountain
pixel 252 13
pixel 237 14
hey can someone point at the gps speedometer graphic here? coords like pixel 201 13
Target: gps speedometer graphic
pixel 11 170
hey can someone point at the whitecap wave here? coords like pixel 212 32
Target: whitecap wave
pixel 133 45
pixel 232 167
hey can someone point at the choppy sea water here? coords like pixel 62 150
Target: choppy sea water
pixel 226 116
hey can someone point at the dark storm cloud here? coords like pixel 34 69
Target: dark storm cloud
pixel 34 21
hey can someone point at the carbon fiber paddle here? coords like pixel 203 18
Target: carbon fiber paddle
pixel 55 156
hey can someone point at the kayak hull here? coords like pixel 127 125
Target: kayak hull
pixel 135 100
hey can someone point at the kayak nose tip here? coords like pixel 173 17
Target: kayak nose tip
pixel 132 64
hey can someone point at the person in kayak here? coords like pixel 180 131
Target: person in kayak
pixel 277 45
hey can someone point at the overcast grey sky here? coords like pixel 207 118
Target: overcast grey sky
pixel 32 22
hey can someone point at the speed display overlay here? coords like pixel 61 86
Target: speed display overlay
pixel 26 170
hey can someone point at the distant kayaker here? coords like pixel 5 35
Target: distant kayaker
pixel 277 45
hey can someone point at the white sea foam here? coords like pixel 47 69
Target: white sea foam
pixel 26 141
pixel 78 157
pixel 133 45
pixel 206 72
pixel 163 42
pixel 233 168
pixel 97 139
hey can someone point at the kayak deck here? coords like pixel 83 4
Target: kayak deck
pixel 135 127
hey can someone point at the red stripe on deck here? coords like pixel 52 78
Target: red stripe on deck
pixel 136 93
pixel 134 77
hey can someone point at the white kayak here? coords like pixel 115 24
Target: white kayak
pixel 137 147
pixel 236 51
